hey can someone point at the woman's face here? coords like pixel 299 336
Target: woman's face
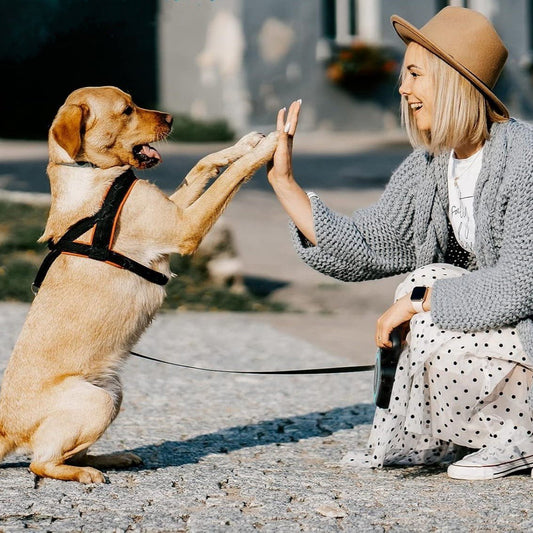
pixel 417 87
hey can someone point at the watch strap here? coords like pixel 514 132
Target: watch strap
pixel 418 305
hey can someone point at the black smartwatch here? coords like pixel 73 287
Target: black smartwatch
pixel 418 296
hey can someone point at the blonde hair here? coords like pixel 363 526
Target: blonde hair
pixel 461 113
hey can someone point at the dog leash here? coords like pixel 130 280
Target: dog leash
pixel 327 370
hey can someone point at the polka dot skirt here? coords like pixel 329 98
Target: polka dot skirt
pixel 452 388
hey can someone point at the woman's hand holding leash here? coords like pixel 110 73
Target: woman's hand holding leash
pixel 400 312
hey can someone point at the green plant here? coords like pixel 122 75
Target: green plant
pixel 20 257
pixel 20 253
pixel 192 289
pixel 16 276
pixel 187 129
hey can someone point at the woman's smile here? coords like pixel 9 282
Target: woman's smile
pixel 417 86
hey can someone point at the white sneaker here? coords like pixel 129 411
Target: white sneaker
pixel 491 464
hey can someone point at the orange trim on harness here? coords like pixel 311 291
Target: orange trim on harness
pixel 103 225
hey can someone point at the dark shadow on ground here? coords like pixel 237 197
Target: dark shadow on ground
pixel 276 431
pixel 419 471
pixel 263 287
pixel 16 464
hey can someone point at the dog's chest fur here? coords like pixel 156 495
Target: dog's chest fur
pixel 77 192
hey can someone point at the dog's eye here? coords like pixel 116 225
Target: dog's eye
pixel 128 110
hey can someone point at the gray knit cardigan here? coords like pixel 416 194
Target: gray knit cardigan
pixel 408 228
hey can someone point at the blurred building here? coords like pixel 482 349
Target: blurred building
pixel 240 60
pixel 245 59
pixel 48 48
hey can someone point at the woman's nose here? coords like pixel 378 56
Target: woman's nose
pixel 404 88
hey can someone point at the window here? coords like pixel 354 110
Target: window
pixel 472 4
pixel 346 20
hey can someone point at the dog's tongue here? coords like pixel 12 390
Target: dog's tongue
pixel 150 152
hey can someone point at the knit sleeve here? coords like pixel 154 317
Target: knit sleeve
pixel 374 242
pixel 501 293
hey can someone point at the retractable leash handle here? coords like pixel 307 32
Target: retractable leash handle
pixel 385 368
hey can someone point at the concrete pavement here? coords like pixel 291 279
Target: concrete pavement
pixel 244 453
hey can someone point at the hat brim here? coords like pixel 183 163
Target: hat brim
pixel 409 33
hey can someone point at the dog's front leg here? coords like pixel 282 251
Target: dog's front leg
pixel 209 167
pixel 204 212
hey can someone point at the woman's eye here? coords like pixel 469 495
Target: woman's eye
pixel 128 110
pixel 414 74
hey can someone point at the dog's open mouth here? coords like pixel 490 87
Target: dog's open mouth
pixel 146 155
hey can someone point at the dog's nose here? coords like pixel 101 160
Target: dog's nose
pixel 169 119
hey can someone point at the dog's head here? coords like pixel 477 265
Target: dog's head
pixel 102 126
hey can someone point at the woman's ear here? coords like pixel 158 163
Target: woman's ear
pixel 68 128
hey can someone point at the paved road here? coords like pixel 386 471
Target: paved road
pixel 243 453
pixel 361 170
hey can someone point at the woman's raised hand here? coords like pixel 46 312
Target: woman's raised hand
pixel 280 168
pixel 279 171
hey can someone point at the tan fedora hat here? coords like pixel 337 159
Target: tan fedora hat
pixel 467 41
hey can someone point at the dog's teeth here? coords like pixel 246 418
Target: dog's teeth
pixel 146 154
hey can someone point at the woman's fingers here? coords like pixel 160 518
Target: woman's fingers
pixel 383 336
pixel 288 125
pixel 399 313
pixel 292 117
pixel 286 122
pixel 382 329
pixel 280 123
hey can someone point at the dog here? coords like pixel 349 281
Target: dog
pixel 61 388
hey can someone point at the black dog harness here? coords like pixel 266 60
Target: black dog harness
pixel 104 224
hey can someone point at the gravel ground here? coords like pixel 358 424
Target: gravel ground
pixel 242 453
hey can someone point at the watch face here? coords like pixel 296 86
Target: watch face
pixel 418 294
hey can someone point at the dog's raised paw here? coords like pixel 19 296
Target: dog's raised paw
pixel 268 145
pixel 251 140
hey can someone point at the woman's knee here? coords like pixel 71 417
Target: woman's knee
pixel 426 276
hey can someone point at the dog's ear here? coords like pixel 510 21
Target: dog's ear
pixel 68 128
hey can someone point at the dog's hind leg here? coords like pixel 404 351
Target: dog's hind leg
pixel 81 418
pixel 209 167
pixel 6 444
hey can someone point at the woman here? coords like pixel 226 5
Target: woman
pixel 458 215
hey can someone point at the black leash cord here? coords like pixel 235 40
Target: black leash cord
pixel 330 370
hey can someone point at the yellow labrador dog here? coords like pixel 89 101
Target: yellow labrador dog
pixel 104 281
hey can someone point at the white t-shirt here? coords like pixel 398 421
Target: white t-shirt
pixel 462 178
